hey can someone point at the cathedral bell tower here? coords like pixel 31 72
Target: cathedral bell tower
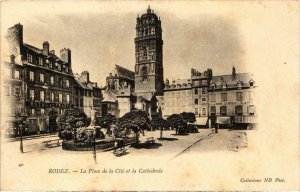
pixel 148 54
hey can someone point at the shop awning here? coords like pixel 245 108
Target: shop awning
pixel 223 120
pixel 201 120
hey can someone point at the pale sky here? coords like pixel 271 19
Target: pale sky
pixel 217 35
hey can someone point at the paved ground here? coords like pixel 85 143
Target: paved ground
pixel 166 149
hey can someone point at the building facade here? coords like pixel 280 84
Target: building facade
pixel 14 96
pixel 48 80
pixel 118 94
pixel 231 99
pixel 187 95
pixel 87 95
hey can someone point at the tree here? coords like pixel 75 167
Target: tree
pixel 136 121
pixel 71 117
pixel 70 121
pixel 188 117
pixel 106 120
pixel 159 122
pixel 177 121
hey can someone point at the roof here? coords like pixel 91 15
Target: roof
pixel 39 51
pixel 109 96
pixel 178 84
pixel 146 96
pixel 244 78
pixel 149 13
pixel 180 81
pixel 123 72
pixel 82 83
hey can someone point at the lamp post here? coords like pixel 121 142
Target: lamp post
pixel 94 146
pixel 21 139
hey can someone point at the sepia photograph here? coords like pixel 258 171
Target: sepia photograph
pixel 149 95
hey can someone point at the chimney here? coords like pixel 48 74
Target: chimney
pixel 12 59
pixel 15 39
pixel 233 73
pixel 65 55
pixel 46 48
pixel 85 76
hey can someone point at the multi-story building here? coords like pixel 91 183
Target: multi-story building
pixel 87 95
pixel 48 80
pixel 200 83
pixel 14 95
pixel 231 99
pixel 187 95
pixel 118 97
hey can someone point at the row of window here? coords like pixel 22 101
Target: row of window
pixel 238 110
pixel 239 96
pixel 224 85
pixel 61 82
pixel 196 101
pixel 48 63
pixel 32 96
pixel 146 31
pixel 16 91
pixel 41 111
pixel 203 111
pixel 199 82
pixel 203 91
pixel 87 93
pixel 178 94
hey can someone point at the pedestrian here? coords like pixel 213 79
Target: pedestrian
pixel 217 127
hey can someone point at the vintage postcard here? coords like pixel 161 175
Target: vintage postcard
pixel 149 95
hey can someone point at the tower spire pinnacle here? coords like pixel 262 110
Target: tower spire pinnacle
pixel 149 9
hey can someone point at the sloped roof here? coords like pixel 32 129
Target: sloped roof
pixel 82 83
pixel 109 96
pixel 180 81
pixel 230 81
pixel 146 96
pixel 123 72
pixel 39 51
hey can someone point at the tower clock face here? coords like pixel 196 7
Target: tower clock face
pixel 144 73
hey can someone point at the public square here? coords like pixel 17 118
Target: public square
pixel 161 151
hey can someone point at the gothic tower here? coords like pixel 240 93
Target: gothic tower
pixel 149 54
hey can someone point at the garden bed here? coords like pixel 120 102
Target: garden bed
pixel 100 144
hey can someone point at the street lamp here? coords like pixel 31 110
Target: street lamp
pixel 94 146
pixel 21 143
pixel 20 126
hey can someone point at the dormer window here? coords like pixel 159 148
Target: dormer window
pixel 213 86
pixel 239 85
pixel 251 82
pixel 224 85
